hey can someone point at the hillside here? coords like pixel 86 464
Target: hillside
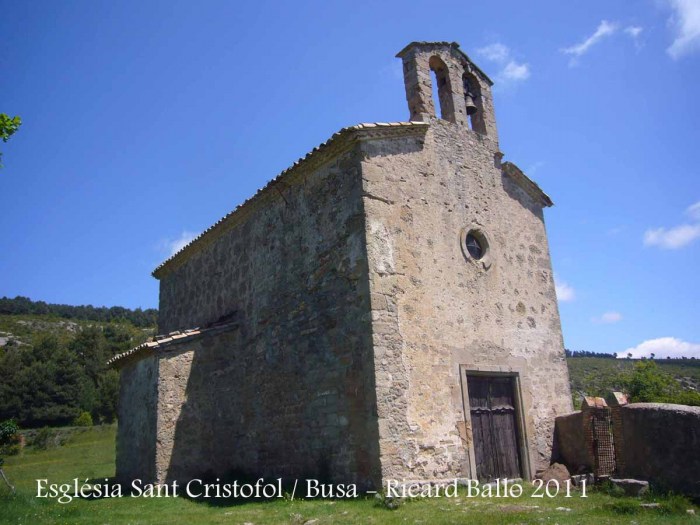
pixel 53 365
pixel 596 376
pixel 23 330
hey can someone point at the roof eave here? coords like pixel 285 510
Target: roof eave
pixel 525 182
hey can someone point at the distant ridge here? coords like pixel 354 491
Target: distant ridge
pixel 24 306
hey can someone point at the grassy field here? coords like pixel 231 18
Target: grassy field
pixel 89 453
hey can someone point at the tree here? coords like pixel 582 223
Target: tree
pixel 647 383
pixel 8 126
pixel 107 395
pixel 88 348
pixel 50 386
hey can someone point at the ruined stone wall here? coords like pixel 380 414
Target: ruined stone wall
pixel 657 442
pixel 136 413
pixel 660 444
pixel 435 311
pixel 290 392
pixel 571 445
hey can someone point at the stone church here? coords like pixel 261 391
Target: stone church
pixel 382 309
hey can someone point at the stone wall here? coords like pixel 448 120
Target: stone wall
pixel 661 444
pixel 571 448
pixel 290 392
pixel 437 313
pixel 656 442
pixel 136 413
pixel 349 274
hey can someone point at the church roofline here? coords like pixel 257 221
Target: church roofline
pixel 319 154
pixel 452 45
pixel 527 184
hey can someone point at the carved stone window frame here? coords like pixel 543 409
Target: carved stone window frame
pixel 484 239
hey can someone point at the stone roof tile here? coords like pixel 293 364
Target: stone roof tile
pixel 162 341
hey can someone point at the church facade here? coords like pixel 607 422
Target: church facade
pixel 383 309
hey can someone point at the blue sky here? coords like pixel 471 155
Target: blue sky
pixel 145 122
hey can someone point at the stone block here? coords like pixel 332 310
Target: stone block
pixel 556 471
pixel 632 487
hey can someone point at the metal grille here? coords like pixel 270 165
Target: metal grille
pixel 603 445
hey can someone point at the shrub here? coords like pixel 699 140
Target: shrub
pixel 685 397
pixel 10 439
pixel 46 438
pixel 83 420
pixel 648 384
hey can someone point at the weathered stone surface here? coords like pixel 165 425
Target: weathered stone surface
pixel 651 441
pixel 358 310
pixel 556 471
pixel 449 313
pixel 661 444
pixel 632 487
pixel 570 445
pixel 137 413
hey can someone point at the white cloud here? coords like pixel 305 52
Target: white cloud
pixel 172 246
pixel 634 31
pixel 693 211
pixel 686 23
pixel 565 293
pixel 604 29
pixel 663 347
pixel 608 318
pixel 515 71
pixel 511 70
pixel 495 52
pixel 672 238
pixel 678 236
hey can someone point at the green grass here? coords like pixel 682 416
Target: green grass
pixel 89 453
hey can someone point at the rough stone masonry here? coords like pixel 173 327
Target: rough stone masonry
pixel 336 324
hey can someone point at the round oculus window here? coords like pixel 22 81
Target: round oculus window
pixel 474 246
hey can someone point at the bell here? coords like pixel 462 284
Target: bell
pixel 471 107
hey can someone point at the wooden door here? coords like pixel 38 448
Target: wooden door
pixel 494 427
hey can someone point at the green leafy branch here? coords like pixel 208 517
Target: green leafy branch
pixel 8 127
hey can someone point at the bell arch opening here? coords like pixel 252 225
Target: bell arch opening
pixel 474 103
pixel 444 106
